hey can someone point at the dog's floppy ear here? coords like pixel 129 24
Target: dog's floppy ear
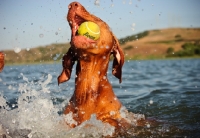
pixel 68 62
pixel 118 60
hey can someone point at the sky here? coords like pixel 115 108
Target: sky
pixel 25 24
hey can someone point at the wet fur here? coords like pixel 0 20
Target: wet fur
pixel 93 93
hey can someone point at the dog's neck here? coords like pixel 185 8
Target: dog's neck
pixel 91 74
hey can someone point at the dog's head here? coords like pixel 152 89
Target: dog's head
pixel 77 14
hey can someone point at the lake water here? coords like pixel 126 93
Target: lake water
pixel 167 91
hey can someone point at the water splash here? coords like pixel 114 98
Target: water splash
pixel 36 116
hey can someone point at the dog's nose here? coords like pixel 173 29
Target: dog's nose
pixel 73 5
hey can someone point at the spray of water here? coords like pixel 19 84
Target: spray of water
pixel 36 116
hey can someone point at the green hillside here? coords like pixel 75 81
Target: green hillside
pixel 49 53
pixel 154 44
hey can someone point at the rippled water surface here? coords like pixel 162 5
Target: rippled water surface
pixel 167 91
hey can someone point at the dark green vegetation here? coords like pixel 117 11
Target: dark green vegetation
pixel 128 47
pixel 188 50
pixel 133 37
pixel 161 44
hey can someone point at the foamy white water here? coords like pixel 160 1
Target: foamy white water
pixel 36 116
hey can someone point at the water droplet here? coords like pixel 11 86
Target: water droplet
pixel 17 49
pixel 41 35
pixel 13 121
pixel 104 57
pixel 104 77
pixel 56 56
pixel 133 24
pixel 97 2
pixel 59 29
pixel 4 28
pixel 7 131
pixel 31 23
pixel 148 126
pixel 30 135
pixel 13 105
pixel 56 33
pixel 107 47
pixel 112 112
pixel 83 135
pixel 82 112
pixel 151 101
pixel 27 49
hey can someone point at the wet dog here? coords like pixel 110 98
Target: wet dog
pixel 93 93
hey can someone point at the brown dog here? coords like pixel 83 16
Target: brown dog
pixel 93 93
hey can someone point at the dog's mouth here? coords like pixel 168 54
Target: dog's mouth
pixel 75 23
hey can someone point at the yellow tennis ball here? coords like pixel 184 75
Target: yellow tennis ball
pixel 90 30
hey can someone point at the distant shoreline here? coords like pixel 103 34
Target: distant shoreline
pixel 126 60
pixel 171 43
